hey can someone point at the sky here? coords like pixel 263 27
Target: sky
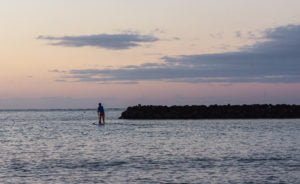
pixel 76 53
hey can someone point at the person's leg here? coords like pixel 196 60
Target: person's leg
pixel 99 118
pixel 103 118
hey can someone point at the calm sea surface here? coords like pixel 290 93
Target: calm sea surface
pixel 65 147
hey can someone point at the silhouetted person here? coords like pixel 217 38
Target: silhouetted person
pixel 101 114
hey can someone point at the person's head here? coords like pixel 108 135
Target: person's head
pixel 100 104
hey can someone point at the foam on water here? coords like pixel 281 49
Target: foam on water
pixel 65 147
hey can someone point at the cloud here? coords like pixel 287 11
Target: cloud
pixel 238 34
pixel 176 38
pixel 57 71
pixel 107 41
pixel 249 35
pixel 218 35
pixel 276 59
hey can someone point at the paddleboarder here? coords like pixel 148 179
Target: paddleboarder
pixel 101 114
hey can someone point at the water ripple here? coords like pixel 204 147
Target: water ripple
pixel 65 147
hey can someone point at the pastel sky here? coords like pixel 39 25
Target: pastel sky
pixel 75 53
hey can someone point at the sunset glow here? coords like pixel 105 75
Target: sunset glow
pixel 73 53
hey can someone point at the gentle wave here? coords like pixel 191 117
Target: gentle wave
pixel 65 147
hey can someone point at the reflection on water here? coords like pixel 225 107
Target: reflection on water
pixel 65 147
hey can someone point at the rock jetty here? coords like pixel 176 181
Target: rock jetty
pixel 213 112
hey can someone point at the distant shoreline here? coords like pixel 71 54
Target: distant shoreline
pixel 255 111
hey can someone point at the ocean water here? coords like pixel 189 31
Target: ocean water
pixel 63 146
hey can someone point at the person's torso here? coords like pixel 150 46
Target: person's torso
pixel 100 109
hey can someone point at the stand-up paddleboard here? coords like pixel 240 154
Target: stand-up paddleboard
pixel 98 124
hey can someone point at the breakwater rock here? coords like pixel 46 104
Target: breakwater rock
pixel 213 112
